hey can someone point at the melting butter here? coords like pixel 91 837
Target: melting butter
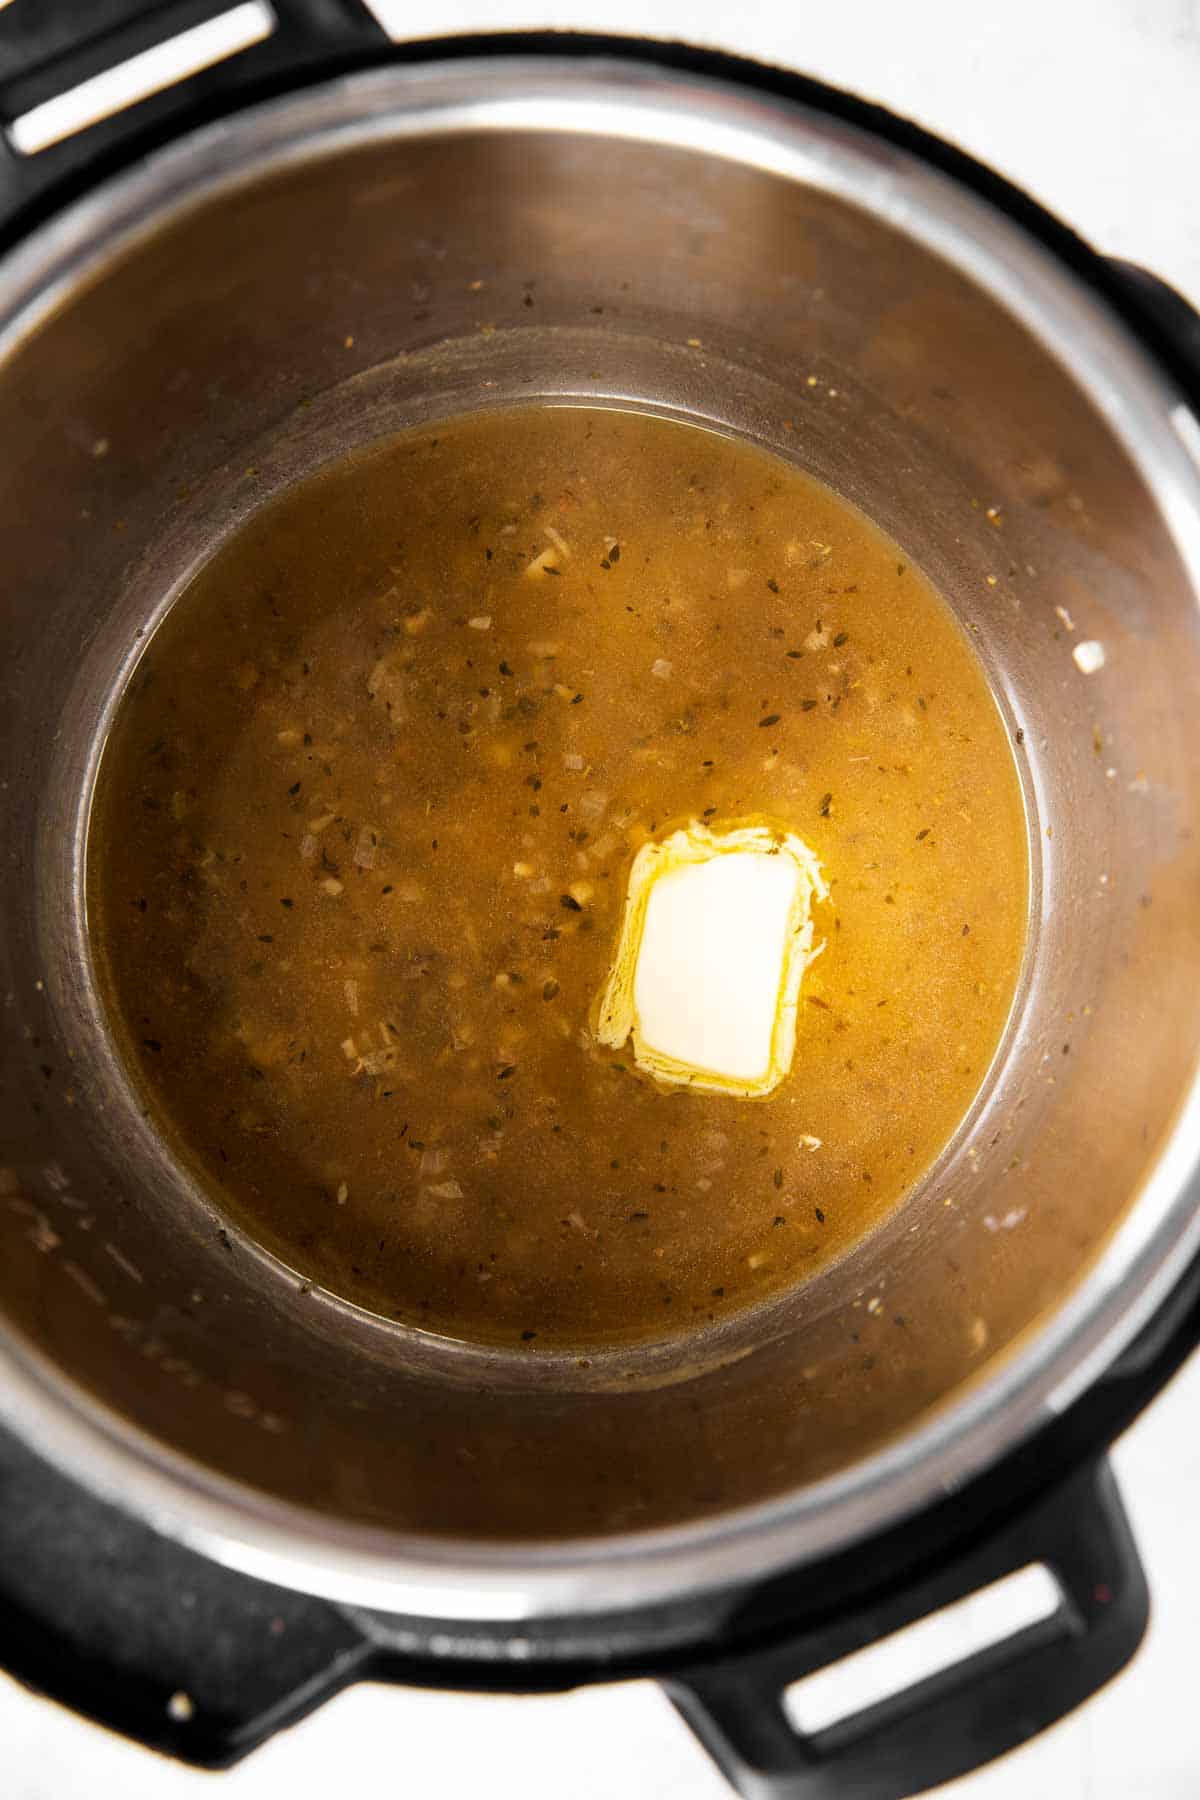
pixel 716 934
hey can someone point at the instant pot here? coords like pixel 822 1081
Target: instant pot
pixel 225 1494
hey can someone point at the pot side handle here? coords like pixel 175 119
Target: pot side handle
pixel 963 1716
pixel 49 47
pixel 1165 317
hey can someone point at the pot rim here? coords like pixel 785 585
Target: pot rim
pixel 638 100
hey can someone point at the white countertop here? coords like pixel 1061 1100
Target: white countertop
pixel 1094 106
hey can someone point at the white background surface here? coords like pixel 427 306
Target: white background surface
pixel 1094 106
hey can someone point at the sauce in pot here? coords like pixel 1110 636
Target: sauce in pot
pixel 362 835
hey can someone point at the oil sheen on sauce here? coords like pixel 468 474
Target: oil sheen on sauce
pixel 362 832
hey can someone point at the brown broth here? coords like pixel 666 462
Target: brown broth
pixel 338 814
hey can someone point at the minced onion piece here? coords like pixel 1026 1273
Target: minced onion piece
pixel 536 569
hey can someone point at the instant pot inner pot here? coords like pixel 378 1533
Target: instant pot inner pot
pixel 235 339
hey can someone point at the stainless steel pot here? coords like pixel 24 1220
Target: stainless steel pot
pixel 174 347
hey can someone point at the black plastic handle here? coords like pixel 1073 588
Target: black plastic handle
pixel 1173 322
pixel 48 47
pixel 956 1720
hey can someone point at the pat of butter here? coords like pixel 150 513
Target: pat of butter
pixel 715 938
